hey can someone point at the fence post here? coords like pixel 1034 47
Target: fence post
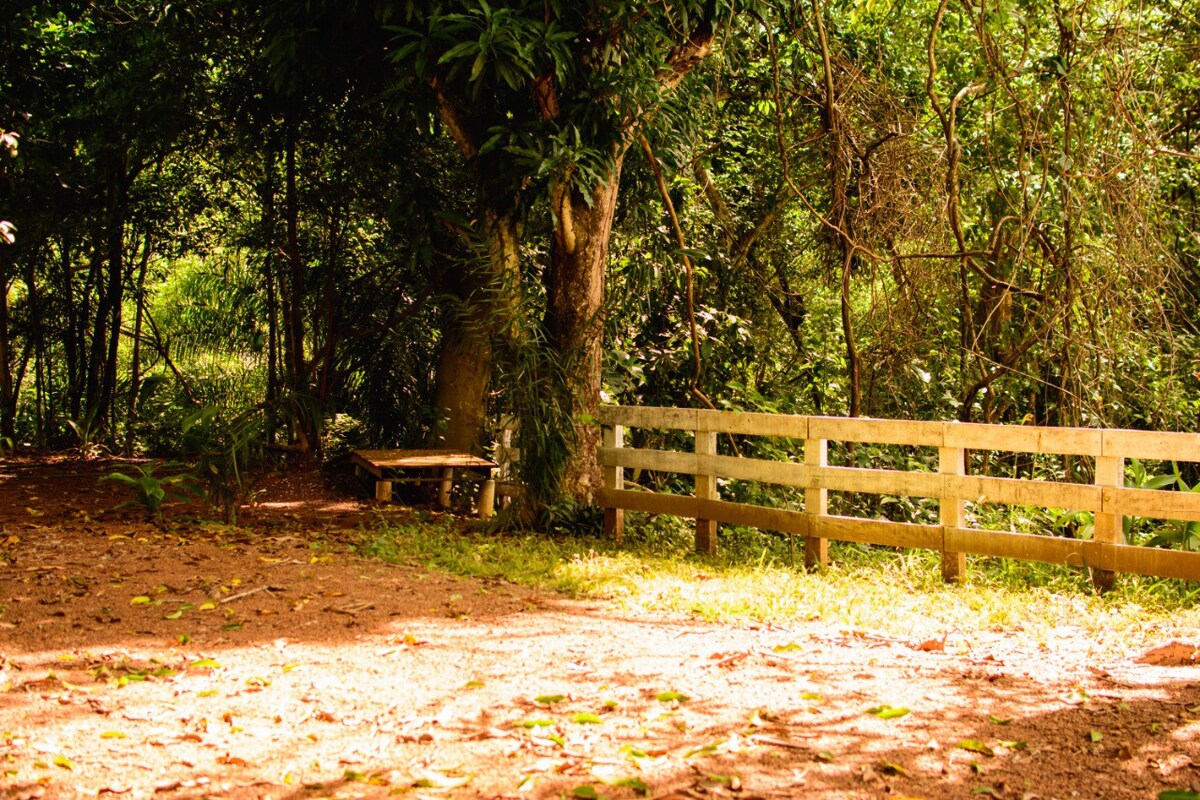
pixel 614 479
pixel 706 489
pixel 816 504
pixel 952 461
pixel 1109 529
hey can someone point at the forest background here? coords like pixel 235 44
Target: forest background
pixel 237 229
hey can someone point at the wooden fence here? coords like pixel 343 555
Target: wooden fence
pixel 1107 497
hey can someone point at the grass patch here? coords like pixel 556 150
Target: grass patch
pixel 884 590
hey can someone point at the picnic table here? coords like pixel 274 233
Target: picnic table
pixel 391 466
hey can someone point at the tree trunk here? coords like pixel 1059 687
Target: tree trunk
pixel 7 398
pixel 463 372
pixel 574 319
pixel 135 358
pixel 304 427
pixel 489 299
pixel 101 383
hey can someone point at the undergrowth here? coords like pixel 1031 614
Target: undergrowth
pixel 758 576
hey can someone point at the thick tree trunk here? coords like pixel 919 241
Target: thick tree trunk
pixel 574 318
pixel 489 298
pixel 463 372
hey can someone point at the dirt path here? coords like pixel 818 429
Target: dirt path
pixel 268 661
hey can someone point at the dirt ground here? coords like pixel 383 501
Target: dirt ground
pixel 193 660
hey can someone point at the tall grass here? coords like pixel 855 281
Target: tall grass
pixel 883 590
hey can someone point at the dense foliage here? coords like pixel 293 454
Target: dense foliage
pixel 405 220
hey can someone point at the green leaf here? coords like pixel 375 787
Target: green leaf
pixel 112 735
pixel 997 720
pixel 672 697
pixel 586 718
pixel 64 762
pixel 535 723
pixel 637 784
pixel 140 600
pixel 549 699
pixel 558 740
pixel 174 615
pixel 1178 794
pixel 1095 736
pixel 205 662
pixel 890 768
pixel 786 648
pixel 888 712
pixel 586 792
pixel 824 756
pixel 976 746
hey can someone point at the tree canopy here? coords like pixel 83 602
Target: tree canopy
pixel 303 223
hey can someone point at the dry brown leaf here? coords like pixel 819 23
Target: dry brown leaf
pixel 1173 654
pixel 930 645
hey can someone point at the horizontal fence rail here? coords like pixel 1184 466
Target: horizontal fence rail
pixel 1107 497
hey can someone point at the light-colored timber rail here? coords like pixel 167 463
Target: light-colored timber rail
pixel 1107 497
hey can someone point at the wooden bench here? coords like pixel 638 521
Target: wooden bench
pixel 388 466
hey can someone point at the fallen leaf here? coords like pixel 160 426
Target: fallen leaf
pixel 586 718
pixel 888 712
pixel 976 746
pixel 1172 654
pixel 931 645
pixel 535 723
pixel 672 697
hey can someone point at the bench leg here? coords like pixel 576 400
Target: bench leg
pixel 487 497
pixel 444 488
pixel 383 491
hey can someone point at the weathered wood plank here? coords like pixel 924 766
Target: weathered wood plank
pixel 418 459
pixel 752 423
pixel 614 478
pixel 706 489
pixel 952 466
pixel 649 417
pixel 676 505
pixel 816 503
pixel 1162 446
pixel 876 531
pixel 1018 492
pixel 363 464
pixel 1029 547
pixel 1022 438
pixel 877 481
pixel 1155 561
pixel 1153 503
pixel 876 431
pixel 771 519
pixel 655 460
